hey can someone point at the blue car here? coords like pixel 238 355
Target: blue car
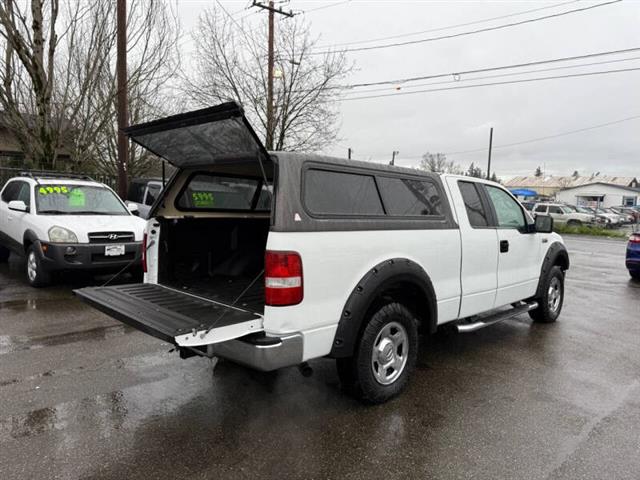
pixel 633 255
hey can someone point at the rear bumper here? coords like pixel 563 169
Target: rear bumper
pixel 262 353
pixel 87 256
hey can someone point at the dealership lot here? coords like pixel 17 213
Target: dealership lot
pixel 83 396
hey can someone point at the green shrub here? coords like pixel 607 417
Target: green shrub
pixel 587 230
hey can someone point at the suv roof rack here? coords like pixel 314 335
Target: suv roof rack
pixel 40 174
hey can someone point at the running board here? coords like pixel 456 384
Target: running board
pixel 493 319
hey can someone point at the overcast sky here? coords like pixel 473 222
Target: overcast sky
pixel 459 120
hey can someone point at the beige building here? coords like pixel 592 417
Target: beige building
pixel 549 185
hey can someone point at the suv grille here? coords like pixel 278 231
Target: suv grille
pixel 111 237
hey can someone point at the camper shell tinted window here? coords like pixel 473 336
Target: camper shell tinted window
pixel 205 191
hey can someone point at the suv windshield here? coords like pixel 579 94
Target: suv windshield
pixel 61 199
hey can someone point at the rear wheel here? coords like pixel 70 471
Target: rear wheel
pixel 36 275
pixel 574 223
pixel 552 298
pixel 4 254
pixel 386 354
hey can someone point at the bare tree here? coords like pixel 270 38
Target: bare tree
pixel 152 51
pixel 437 162
pixel 37 98
pixel 231 64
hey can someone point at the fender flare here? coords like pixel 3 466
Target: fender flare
pixel 29 237
pixel 379 279
pixel 556 255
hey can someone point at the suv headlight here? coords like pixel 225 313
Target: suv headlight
pixel 62 235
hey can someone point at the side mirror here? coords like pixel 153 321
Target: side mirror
pixel 133 208
pixel 544 223
pixel 17 206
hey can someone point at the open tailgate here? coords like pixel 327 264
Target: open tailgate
pixel 176 317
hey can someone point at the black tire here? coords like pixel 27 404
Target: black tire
pixel 574 223
pixel 392 321
pixel 4 254
pixel 36 274
pixel 550 303
pixel 635 275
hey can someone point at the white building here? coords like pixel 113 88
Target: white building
pixel 599 194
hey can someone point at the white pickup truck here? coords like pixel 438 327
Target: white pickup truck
pixel 273 259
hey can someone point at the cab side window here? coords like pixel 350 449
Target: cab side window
pixel 24 193
pixel 508 212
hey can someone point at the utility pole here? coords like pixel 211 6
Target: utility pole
pixel 270 61
pixel 489 160
pixel 393 157
pixel 349 153
pixel 121 67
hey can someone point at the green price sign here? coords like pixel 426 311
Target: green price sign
pixel 202 199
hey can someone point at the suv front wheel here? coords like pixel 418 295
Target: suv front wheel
pixel 386 354
pixel 36 275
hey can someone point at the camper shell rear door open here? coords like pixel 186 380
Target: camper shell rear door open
pixel 216 136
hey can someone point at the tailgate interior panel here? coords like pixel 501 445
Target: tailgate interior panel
pixel 163 312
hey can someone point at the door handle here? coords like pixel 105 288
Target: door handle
pixel 504 246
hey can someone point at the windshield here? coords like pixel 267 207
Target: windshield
pixel 566 209
pixel 583 210
pixel 62 199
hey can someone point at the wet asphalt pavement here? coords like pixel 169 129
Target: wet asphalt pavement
pixel 82 396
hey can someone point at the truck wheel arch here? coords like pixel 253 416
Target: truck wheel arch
pixel 397 279
pixel 556 255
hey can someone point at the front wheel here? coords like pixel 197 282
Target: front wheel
pixel 552 298
pixel 36 275
pixel 386 354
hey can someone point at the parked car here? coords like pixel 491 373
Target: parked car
pixel 600 220
pixel 629 214
pixel 67 223
pixel 564 215
pixel 143 192
pixel 306 256
pixel 633 255
pixel 605 219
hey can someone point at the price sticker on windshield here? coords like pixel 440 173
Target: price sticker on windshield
pixel 51 189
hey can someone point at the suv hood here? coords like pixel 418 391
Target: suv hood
pixel 82 225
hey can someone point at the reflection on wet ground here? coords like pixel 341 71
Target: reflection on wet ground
pixel 90 398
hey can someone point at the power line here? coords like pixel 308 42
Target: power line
pixel 335 4
pixel 547 137
pixel 439 29
pixel 459 73
pixel 471 32
pixel 525 80
pixel 502 75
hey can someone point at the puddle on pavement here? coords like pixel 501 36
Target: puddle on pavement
pixel 13 343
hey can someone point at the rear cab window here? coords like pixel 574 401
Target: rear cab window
pixel 476 210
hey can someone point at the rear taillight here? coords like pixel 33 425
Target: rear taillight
pixel 144 252
pixel 282 278
pixel 635 238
